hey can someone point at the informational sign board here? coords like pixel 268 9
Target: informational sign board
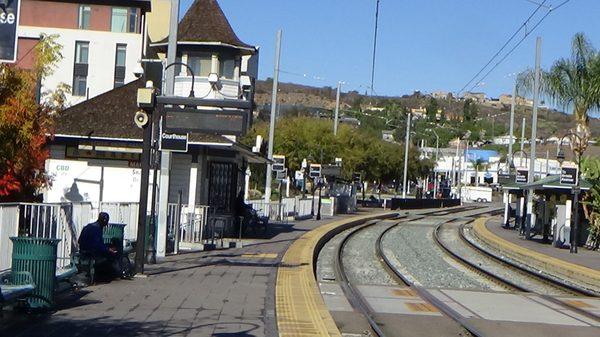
pixel 522 176
pixel 314 171
pixel 281 175
pixel 9 20
pixel 504 178
pixel 174 142
pixel 356 177
pixel 331 171
pixel 568 174
pixel 278 163
pixel 221 122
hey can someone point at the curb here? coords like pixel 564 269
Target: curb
pixel 585 275
pixel 299 306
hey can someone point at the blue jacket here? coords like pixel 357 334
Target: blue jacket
pixel 90 239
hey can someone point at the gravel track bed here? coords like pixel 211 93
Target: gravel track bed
pixel 449 234
pixel 327 256
pixel 414 252
pixel 360 257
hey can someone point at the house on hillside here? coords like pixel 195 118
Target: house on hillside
pixel 478 97
pixel 96 152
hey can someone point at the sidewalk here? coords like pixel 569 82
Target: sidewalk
pixel 219 293
pixel 584 257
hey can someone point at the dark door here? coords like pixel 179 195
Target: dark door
pixel 222 187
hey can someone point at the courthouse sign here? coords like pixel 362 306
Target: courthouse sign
pixel 9 20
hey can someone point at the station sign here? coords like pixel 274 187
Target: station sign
pixel 221 122
pixel 568 174
pixel 281 175
pixel 174 142
pixel 278 163
pixel 314 171
pixel 504 178
pixel 522 175
pixel 331 171
pixel 9 20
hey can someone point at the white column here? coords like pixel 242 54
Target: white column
pixel 567 228
pixel 287 187
pixel 192 187
pixel 247 184
pixel 506 199
pixel 163 199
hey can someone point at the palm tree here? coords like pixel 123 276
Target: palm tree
pixel 572 83
pixel 479 165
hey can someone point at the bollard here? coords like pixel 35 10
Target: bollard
pixel 38 257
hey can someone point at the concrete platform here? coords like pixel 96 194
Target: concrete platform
pixel 218 293
pixel 582 268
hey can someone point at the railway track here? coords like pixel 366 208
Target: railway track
pixel 354 296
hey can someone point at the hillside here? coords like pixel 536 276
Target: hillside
pixel 296 99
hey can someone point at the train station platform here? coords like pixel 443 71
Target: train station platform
pixel 583 266
pixel 218 293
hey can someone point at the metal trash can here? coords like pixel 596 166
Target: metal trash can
pixel 38 257
pixel 114 232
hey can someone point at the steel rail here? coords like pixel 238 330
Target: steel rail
pixel 422 292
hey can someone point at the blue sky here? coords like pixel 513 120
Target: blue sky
pixel 423 45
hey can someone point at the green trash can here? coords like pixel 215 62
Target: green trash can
pixel 114 232
pixel 38 257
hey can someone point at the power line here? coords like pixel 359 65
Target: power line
pixel 523 25
pixel 520 41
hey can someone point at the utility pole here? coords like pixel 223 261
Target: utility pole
pixel 406 141
pixel 337 108
pixel 512 123
pixel 165 157
pixel 522 141
pixel 536 94
pixel 374 48
pixel 273 113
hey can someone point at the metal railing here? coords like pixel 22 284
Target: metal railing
pixel 275 211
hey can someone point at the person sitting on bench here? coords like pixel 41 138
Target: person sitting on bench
pixel 92 244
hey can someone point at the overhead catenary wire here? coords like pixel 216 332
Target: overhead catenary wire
pixel 519 29
pixel 520 41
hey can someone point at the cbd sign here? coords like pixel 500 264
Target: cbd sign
pixel 9 19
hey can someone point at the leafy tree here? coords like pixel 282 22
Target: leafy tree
pixel 470 110
pixel 25 124
pixel 573 83
pixel 432 109
pixel 590 169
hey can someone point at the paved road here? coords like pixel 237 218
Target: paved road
pixel 219 293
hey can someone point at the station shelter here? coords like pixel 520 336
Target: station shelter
pixel 552 209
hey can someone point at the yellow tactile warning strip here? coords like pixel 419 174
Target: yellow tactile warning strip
pixel 261 256
pixel 579 304
pixel 299 306
pixel 404 292
pixel 571 270
pixel 420 307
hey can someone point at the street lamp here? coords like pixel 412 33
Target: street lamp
pixel 576 189
pixel 189 69
pixel 437 149
pixel 512 168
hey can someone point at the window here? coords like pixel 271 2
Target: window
pixel 120 59
pixel 85 13
pixel 80 71
pixel 201 64
pixel 124 20
pixel 227 68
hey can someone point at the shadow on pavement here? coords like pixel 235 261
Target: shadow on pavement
pixel 58 325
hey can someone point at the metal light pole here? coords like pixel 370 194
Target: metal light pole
pixel 273 113
pixel 536 97
pixel 337 108
pixel 406 141
pixel 374 49
pixel 522 138
pixel 165 157
pixel 512 122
